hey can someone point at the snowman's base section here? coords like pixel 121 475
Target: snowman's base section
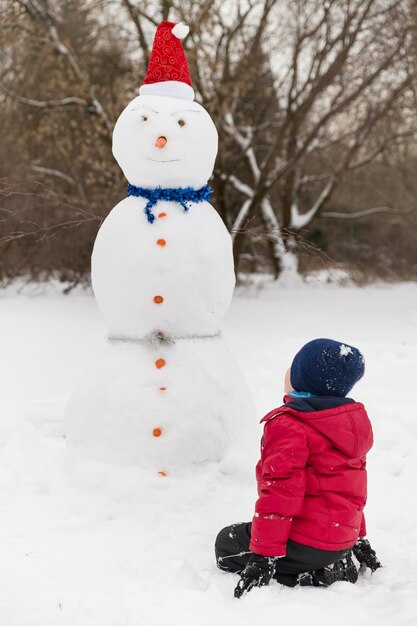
pixel 160 407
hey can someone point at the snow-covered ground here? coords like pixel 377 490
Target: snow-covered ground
pixel 103 546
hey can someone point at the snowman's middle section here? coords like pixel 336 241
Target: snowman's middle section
pixel 174 276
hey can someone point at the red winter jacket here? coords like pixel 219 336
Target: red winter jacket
pixel 312 475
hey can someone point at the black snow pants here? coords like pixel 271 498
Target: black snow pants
pixel 232 555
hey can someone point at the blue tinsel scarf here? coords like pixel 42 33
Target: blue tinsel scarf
pixel 182 195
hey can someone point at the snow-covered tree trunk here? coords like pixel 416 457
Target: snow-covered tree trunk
pixel 283 249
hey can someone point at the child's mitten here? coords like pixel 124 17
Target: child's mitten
pixel 257 572
pixel 366 555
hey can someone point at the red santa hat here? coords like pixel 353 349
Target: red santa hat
pixel 168 73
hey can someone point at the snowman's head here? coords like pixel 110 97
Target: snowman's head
pixel 161 141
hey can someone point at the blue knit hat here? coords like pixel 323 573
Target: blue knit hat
pixel 325 367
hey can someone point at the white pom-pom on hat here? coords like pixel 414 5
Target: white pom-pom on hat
pixel 180 30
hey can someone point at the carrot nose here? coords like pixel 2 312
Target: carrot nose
pixel 161 142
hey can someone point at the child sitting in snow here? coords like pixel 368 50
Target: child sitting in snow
pixel 312 482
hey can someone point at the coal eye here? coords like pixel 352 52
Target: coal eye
pixel 181 122
pixel 144 118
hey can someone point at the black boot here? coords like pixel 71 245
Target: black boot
pixel 344 569
pixel 366 555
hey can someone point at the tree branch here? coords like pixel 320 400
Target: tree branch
pixel 364 213
pixel 37 11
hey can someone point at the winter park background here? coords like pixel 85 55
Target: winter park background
pixel 315 105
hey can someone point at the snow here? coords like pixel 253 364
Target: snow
pixel 90 544
pixel 345 350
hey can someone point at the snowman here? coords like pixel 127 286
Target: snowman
pixel 165 393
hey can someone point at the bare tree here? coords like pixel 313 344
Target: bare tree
pixel 339 83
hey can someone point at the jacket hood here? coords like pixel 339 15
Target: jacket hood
pixel 341 420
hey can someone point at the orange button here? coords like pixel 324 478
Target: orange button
pixel 157 432
pixel 162 214
pixel 158 299
pixel 162 473
pixel 161 242
pixel 160 363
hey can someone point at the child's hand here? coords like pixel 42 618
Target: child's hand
pixel 365 555
pixel 257 572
